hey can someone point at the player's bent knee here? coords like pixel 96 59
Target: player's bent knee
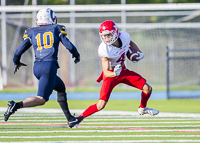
pixel 41 100
pixel 101 105
pixel 61 96
pixel 147 89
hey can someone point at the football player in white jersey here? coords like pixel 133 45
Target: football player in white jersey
pixel 113 51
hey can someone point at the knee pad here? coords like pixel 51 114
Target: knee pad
pixel 61 96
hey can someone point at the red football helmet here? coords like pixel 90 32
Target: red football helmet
pixel 108 27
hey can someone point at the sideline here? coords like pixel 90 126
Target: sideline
pixel 103 112
pixel 128 95
pixel 100 136
pixel 113 141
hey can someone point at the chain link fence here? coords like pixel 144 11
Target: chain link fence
pixel 151 39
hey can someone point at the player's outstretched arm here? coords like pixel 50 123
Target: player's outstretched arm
pixel 132 44
pixel 77 59
pixel 72 49
pixel 18 53
pixel 18 66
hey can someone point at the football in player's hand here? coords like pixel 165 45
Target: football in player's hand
pixel 132 54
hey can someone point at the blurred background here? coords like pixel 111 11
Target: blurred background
pixel 166 31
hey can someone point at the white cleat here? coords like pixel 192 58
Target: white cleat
pixel 147 110
pixel 76 126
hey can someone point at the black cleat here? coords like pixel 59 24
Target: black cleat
pixel 10 110
pixel 75 121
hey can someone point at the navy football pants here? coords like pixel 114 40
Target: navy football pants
pixel 46 73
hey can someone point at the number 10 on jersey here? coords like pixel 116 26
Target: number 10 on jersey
pixel 47 36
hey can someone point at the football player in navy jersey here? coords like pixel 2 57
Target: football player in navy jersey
pixel 45 40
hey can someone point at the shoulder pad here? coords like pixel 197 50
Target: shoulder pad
pixel 26 33
pixel 64 30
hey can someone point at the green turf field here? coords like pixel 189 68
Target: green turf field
pixel 172 105
pixel 178 121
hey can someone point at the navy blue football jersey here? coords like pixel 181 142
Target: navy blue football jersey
pixel 45 41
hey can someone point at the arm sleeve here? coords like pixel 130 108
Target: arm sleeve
pixel 72 49
pixel 22 48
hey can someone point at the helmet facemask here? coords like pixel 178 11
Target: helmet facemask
pixel 111 39
pixel 108 28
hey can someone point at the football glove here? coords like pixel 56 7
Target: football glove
pixel 77 59
pixel 117 69
pixel 17 66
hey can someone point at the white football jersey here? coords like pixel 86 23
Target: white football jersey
pixel 116 55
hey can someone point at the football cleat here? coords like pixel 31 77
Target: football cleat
pixel 75 122
pixel 147 110
pixel 10 110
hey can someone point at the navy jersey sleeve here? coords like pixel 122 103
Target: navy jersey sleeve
pixel 22 48
pixel 65 41
pixel 72 49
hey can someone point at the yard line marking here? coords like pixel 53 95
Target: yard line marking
pixel 124 127
pixel 42 124
pixel 104 112
pixel 138 128
pixel 112 141
pixel 103 136
pixel 101 131
pixel 37 120
pixel 189 122
pixel 58 124
pixel 64 119
pixel 140 119
pixel 35 114
pixel 131 116
pixel 32 127
pixel 100 123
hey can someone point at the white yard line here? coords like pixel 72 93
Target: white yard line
pixel 89 119
pixel 105 136
pixel 110 141
pixel 99 123
pixel 137 117
pixel 102 131
pixel 103 112
pixel 35 114
pixel 145 126
pixel 147 119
